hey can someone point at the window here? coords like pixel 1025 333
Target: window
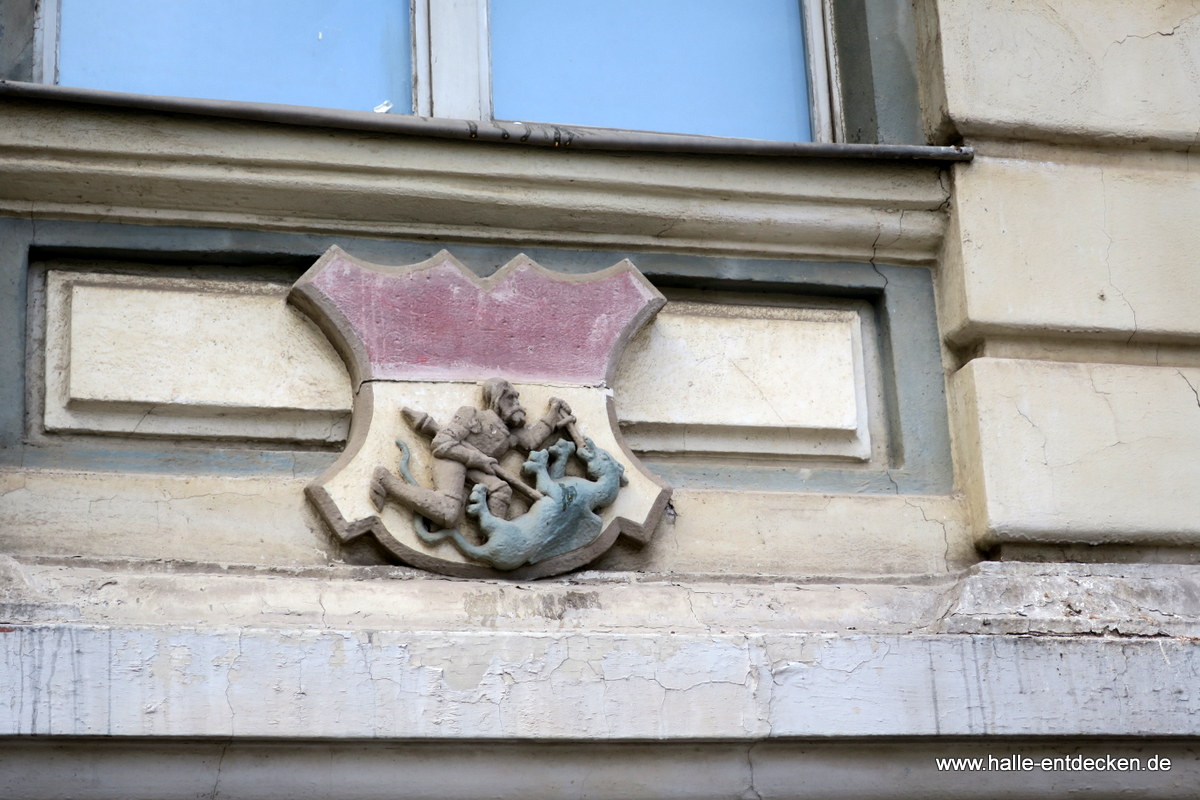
pixel 334 53
pixel 753 69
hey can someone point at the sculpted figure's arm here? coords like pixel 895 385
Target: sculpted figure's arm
pixel 450 442
pixel 557 417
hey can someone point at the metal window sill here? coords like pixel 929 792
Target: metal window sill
pixel 565 137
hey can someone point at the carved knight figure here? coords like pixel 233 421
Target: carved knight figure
pixel 468 449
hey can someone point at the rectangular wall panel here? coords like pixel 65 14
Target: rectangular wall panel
pixel 739 378
pixel 189 358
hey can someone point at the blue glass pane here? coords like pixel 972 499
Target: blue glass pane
pixel 687 66
pixel 335 53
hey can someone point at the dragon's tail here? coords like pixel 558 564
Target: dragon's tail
pixel 420 524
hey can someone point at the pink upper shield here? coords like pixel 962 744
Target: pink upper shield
pixel 438 321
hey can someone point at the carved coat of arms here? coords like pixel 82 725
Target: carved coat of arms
pixel 483 441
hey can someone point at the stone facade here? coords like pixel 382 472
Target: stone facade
pixel 934 500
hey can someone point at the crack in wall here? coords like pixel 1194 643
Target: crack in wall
pixel 1190 385
pixel 1034 425
pixel 875 252
pixel 229 681
pixel 942 524
pixel 1104 229
pixel 216 789
pixel 751 792
pixel 1155 33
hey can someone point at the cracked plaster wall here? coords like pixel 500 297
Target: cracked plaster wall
pixel 1067 288
pixel 1053 241
pixel 1068 70
pixel 1071 452
pixel 274 683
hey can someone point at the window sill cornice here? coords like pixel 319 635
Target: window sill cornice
pixel 70 154
pixel 501 132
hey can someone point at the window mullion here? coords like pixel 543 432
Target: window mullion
pixel 459 59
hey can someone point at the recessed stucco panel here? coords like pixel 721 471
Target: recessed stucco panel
pixel 162 356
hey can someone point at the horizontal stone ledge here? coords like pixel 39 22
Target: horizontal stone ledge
pixel 61 680
pixel 911 242
pixel 1009 597
pixel 263 520
pixel 125 595
pixel 96 163
pixel 1064 342
pixel 115 769
pixel 980 131
pixel 1117 349
pixel 1097 599
pixel 767 227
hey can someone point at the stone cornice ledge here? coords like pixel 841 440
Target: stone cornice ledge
pixel 312 658
pixel 497 685
pixel 63 157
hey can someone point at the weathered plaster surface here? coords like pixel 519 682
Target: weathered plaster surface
pixel 161 649
pixel 1062 69
pixel 116 594
pixel 793 533
pixel 267 521
pixel 750 366
pixel 146 355
pixel 750 378
pixel 1159 600
pixel 135 681
pixel 1090 453
pixel 1133 599
pixel 1093 245
pixel 205 518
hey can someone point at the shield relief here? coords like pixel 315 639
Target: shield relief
pixel 435 354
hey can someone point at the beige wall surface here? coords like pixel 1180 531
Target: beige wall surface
pixel 1063 241
pixel 1090 453
pixel 1067 284
pixel 1104 71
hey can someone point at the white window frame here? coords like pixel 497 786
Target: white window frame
pixel 451 61
pixel 824 94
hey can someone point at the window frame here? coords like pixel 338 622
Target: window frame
pixel 460 87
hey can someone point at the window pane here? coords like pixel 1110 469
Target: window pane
pixel 336 53
pixel 688 66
